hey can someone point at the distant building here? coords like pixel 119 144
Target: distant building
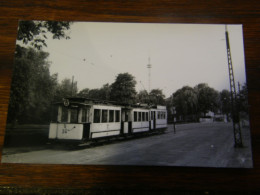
pixel 211 117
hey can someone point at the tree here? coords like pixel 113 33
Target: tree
pixel 35 32
pixel 94 94
pixel 225 102
pixel 143 97
pixel 66 88
pixel 105 92
pixel 157 97
pixel 243 99
pixel 208 99
pixel 32 87
pixel 185 101
pixel 84 93
pixel 102 94
pixel 123 89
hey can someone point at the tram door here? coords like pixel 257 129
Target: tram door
pixel 153 120
pixel 126 122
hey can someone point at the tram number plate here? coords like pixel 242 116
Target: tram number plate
pixel 65 130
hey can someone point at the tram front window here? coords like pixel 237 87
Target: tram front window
pixel 73 115
pixel 69 115
pixel 64 115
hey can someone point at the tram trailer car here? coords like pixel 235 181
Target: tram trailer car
pixel 81 119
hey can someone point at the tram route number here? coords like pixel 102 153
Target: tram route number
pixel 65 130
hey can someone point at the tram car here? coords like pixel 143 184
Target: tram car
pixel 82 119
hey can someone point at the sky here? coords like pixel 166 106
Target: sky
pixel 180 55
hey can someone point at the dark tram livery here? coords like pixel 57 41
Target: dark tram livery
pixel 81 119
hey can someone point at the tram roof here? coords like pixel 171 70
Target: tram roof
pixel 89 101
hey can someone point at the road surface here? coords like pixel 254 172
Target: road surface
pixel 196 145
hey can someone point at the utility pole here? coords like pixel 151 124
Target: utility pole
pixel 173 112
pixel 72 85
pixel 234 101
pixel 149 66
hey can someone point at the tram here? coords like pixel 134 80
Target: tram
pixel 82 120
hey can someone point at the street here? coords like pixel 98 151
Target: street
pixel 196 145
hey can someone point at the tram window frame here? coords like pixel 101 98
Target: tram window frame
pixel 117 115
pixel 111 116
pixel 97 116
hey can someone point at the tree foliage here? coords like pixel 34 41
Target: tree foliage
pixel 66 88
pixel 207 98
pixel 32 86
pixel 35 32
pixel 105 92
pixel 123 89
pixel 197 101
pixel 157 97
pixel 143 97
pixel 84 93
pixel 225 101
pixel 185 101
pixel 102 93
pixel 243 99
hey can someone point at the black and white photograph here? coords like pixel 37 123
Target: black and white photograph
pixel 142 94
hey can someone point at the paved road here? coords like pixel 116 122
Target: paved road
pixel 199 145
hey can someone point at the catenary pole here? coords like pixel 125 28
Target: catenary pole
pixel 234 102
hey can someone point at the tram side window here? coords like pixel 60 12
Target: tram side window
pixel 117 115
pixel 97 115
pixel 161 115
pixel 135 116
pixel 139 116
pixel 146 116
pixel 104 116
pixel 111 116
pixel 143 116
